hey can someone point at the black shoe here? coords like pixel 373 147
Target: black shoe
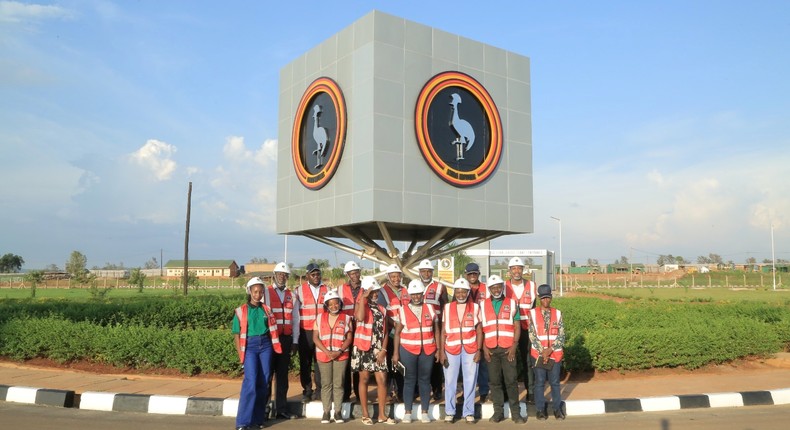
pixel 285 416
pixel 339 418
pixel 483 398
pixel 242 428
pixel 560 413
pixel 530 399
pixel 541 415
pixel 317 396
pixel 496 418
pixel 518 419
pixel 307 396
pixel 325 418
pixel 437 396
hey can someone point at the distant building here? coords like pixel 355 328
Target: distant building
pixel 625 268
pixel 203 268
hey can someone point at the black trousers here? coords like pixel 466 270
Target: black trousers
pixel 503 381
pixel 308 366
pixel 280 364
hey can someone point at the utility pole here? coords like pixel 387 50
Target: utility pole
pixel 186 240
pixel 773 255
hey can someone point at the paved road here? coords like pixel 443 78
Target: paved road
pixel 19 416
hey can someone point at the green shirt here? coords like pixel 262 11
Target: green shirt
pixel 257 322
pixel 498 304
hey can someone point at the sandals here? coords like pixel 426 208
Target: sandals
pixel 367 421
pixel 389 421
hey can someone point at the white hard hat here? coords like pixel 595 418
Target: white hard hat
pixel 416 287
pixel 370 283
pixel 425 264
pixel 351 266
pixel 515 261
pixel 331 294
pixel 461 284
pixel 393 268
pixel 493 280
pixel 254 281
pixel 282 268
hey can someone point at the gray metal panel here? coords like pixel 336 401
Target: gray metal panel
pixel 445 46
pixel 388 62
pixel 389 29
pixel 471 54
pixel 417 38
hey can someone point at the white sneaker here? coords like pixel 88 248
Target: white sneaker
pixel 425 418
pixel 406 418
pixel 449 419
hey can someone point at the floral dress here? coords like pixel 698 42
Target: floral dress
pixel 366 360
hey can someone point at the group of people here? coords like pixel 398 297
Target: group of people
pixel 420 337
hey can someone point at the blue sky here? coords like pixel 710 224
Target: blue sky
pixel 659 127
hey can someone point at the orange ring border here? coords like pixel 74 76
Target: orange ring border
pixel 424 100
pixel 330 87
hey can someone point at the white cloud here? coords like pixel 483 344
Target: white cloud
pixel 12 11
pixel 155 156
pixel 235 150
pixel 267 154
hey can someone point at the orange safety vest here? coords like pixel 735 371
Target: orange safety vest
pixel 433 294
pixel 309 308
pixel 547 339
pixel 241 313
pixel 363 335
pixel 417 334
pixel 499 329
pixel 346 299
pixel 395 303
pixel 332 337
pixel 525 302
pixel 283 311
pixel 459 333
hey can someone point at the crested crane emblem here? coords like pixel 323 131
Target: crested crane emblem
pixel 464 133
pixel 319 133
pixel 462 144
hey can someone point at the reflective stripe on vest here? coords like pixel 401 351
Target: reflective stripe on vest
pixel 309 308
pixel 417 334
pixel 433 295
pixel 547 339
pixel 283 312
pixel 395 303
pixel 332 337
pixel 499 329
pixel 363 334
pixel 241 313
pixel 525 302
pixel 458 333
pixel 346 299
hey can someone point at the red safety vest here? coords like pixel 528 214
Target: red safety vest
pixel 363 334
pixel 459 333
pixel 547 339
pixel 241 313
pixel 433 295
pixel 332 337
pixel 499 329
pixel 525 302
pixel 417 334
pixel 480 295
pixel 283 311
pixel 309 309
pixel 346 299
pixel 395 302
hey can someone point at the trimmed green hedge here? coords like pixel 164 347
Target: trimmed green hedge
pixel 193 335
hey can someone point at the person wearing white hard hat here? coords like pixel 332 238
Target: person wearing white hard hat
pixel 415 348
pixel 393 296
pixel 524 292
pixel 478 295
pixel 349 293
pixel 281 300
pixel 459 350
pixel 436 296
pixel 255 335
pixel 369 354
pixel 332 335
pixel 310 303
pixel 501 331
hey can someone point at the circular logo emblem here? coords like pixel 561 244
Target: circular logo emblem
pixel 319 133
pixel 458 128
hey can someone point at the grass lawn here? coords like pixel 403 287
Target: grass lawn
pixel 697 294
pixel 83 294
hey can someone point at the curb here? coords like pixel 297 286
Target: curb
pixel 182 405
